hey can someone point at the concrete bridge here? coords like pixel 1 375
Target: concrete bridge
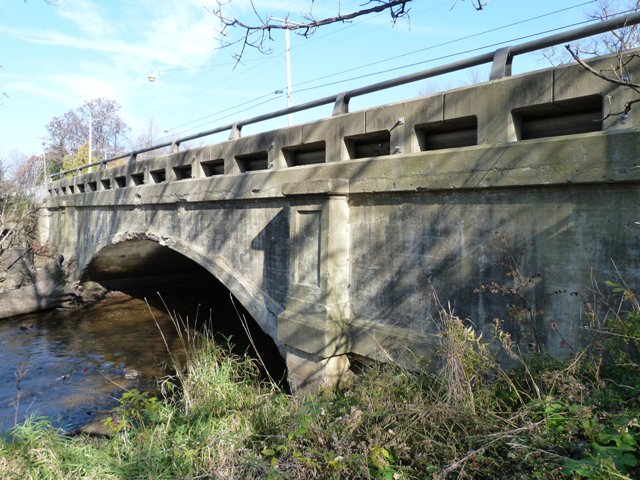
pixel 336 234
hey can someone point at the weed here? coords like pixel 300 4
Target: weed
pixel 134 408
pixel 20 374
pixel 545 419
pixel 466 359
pixel 523 313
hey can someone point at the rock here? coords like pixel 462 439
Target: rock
pixel 14 279
pixel 92 292
pixel 17 265
pixel 26 326
pixel 97 427
pixel 46 295
pixel 131 374
pixel 39 296
pixel 12 257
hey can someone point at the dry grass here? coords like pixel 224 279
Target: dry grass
pixel 219 420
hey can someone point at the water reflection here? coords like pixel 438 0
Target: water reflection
pixel 77 363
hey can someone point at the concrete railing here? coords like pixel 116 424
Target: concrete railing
pixel 559 101
pixel 551 102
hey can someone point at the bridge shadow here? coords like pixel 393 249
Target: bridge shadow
pixel 173 283
pixel 276 254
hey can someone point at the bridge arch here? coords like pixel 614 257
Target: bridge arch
pixel 135 259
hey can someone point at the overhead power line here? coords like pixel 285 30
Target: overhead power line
pixel 450 42
pixel 414 64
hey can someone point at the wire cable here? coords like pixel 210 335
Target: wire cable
pixel 443 57
pixel 448 56
pixel 311 40
pixel 485 32
pixel 198 126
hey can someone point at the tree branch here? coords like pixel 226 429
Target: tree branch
pixel 397 9
pixel 255 35
pixel 477 4
pixel 617 77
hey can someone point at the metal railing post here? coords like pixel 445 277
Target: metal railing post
pixel 501 66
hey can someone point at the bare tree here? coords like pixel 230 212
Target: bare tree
pixel 29 172
pixel 16 205
pixel 257 32
pixel 149 137
pixel 619 42
pixel 70 132
pixel 616 40
pixel 606 43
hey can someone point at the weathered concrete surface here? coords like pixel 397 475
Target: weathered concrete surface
pixel 343 255
pixel 308 375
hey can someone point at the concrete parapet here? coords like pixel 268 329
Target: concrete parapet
pixel 548 103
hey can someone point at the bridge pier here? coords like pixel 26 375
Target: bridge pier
pixel 308 374
pixel 315 326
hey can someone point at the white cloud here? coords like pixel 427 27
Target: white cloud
pixel 57 39
pixel 66 89
pixel 179 34
pixel 85 87
pixel 164 35
pixel 85 15
pixel 111 59
pixel 30 87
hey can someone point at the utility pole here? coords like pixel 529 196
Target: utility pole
pixel 90 135
pixel 287 57
pixel 45 170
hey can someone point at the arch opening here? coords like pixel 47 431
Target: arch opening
pixel 167 278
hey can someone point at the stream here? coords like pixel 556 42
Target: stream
pixel 71 365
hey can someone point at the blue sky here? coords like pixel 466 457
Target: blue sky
pixel 55 57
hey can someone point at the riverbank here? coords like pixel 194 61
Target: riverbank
pixel 462 417
pixel 49 294
pixel 33 279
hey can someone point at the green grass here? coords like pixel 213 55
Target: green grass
pixel 471 419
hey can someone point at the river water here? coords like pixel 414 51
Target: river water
pixel 72 365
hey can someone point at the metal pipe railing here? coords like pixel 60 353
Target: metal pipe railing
pixel 501 66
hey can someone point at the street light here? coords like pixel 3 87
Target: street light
pixel 287 56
